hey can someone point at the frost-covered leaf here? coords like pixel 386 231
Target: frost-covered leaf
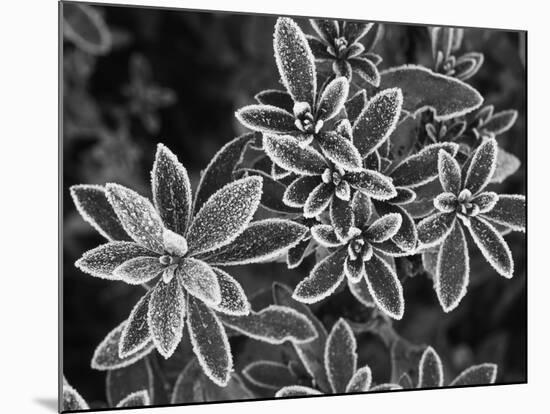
pixel 286 152
pixel 500 122
pixel 165 316
pixel 406 382
pixel 139 270
pixel 355 105
pixel 362 209
pixel 361 292
pixel 433 229
pixel 104 259
pixel 355 31
pixel 423 89
pixel 384 228
pixel 137 215
pixel 385 287
pixel 404 196
pixel 482 166
pixel 318 200
pixel 210 343
pixel 219 171
pixel 446 202
pixel 234 300
pixel 340 356
pixel 366 69
pixel 386 387
pixel 340 151
pixel 269 374
pixel 135 399
pixel 72 400
pixel 486 201
pixel 135 334
pixel 171 190
pixel 442 40
pixel 377 120
pixel 450 175
pixel 333 98
pixel 327 30
pixel 298 191
pixel 296 254
pixel 199 279
pixel 468 65
pixel 261 241
pixel 224 215
pixel 295 61
pixel 296 391
pixel 274 324
pixel 510 211
pixel 452 269
pixel 272 193
pixel 341 217
pixel 324 235
pixel 319 49
pixel 84 26
pixel 483 374
pixel 406 236
pixel 120 383
pixel 323 279
pixel 92 204
pixel 273 97
pixel 106 356
pixel 361 380
pixel 266 118
pixel 492 245
pixel 430 370
pixel 354 269
pixel 507 164
pixel 373 184
pixel 421 168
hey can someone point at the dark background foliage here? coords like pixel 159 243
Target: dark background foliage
pixel 212 64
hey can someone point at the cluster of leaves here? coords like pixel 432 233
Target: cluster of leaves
pixel 321 162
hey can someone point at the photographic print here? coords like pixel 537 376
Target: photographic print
pixel 262 207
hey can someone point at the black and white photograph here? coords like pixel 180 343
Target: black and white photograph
pixel 263 207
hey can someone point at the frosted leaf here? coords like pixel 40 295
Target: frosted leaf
pixel 374 58
pixel 296 254
pixel 423 89
pixel 499 122
pixel 377 120
pixel 296 391
pixel 366 70
pixel 507 164
pixel 224 215
pixel 362 209
pixel 269 374
pixel 278 173
pixel 483 374
pixel 492 245
pixel 442 40
pixel 373 184
pixel 125 381
pixel 340 356
pixel 361 380
pixel 324 235
pixel 406 237
pixel 166 316
pixel 446 202
pixel 355 105
pixel 430 370
pixel 139 270
pixel 274 325
pixel 354 269
pixel 355 31
pixel 468 65
pixel 84 26
pixel 384 228
pixel 450 175
pixel 272 193
pixel 405 382
pixel 323 279
pixel 92 204
pixel 318 200
pixel 404 196
pixel 326 29
pixel 386 387
pixel 261 241
pixel 360 291
pixel 384 287
pixel 266 118
pixel 319 49
pixel 332 99
pixel 482 166
pixel 389 248
pixel 104 259
pixel 310 353
pixel 421 168
pixel 273 97
pixel 509 211
pixel 137 215
pixel 298 191
pixel 106 355
pixel 199 279
pixel 135 335
pixel 341 217
pixel 72 400
pixel 295 61
pixel 452 270
pixel 210 343
pixel 340 151
pixel 486 201
pixel 219 171
pixel 286 152
pixel 433 229
pixel 234 300
pixel 135 399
